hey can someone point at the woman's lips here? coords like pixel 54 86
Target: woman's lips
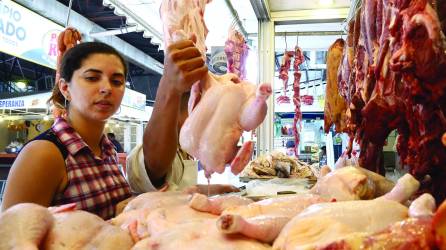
pixel 104 104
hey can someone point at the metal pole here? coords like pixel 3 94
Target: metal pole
pixel 69 11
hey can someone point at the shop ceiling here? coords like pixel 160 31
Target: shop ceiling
pixel 309 11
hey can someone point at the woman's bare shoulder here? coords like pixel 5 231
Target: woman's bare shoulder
pixel 41 154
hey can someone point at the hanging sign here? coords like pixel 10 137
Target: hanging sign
pixel 26 102
pixel 28 35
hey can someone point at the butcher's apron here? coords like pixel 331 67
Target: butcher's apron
pixel 184 172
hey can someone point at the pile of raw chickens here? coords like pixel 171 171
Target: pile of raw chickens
pixel 350 208
pixel 390 74
pixel 278 164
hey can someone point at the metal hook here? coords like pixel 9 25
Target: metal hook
pixel 286 45
pixel 69 11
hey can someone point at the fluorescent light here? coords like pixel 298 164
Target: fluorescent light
pixel 325 2
pixel 46 118
pixel 21 85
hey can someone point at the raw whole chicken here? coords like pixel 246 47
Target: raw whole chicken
pixel 220 107
pixel 414 233
pixel 163 220
pixel 140 207
pixel 226 107
pixel 324 223
pixel 263 220
pixel 23 226
pixel 196 236
pixel 153 200
pixel 84 230
pixel 217 205
pixel 29 226
pixel 182 19
pixel 352 183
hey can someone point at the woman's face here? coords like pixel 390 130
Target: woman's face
pixel 97 87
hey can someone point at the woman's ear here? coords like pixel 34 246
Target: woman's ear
pixel 63 87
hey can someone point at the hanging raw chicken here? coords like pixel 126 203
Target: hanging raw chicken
pixel 212 130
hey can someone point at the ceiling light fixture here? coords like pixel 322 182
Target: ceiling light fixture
pixel 21 85
pixel 325 2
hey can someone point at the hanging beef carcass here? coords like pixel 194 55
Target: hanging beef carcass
pixel 236 52
pixel 399 83
pixel 220 107
pixel 335 106
pixel 386 92
pixel 298 60
pixel 421 59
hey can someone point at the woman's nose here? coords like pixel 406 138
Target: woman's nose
pixel 105 87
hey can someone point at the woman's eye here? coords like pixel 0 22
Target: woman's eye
pixel 118 82
pixel 92 78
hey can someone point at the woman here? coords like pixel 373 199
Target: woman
pixel 73 161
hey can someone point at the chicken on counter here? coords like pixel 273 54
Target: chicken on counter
pixel 141 206
pixel 29 226
pixel 353 183
pixel 196 236
pixel 84 230
pixel 24 226
pixel 321 224
pixel 263 220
